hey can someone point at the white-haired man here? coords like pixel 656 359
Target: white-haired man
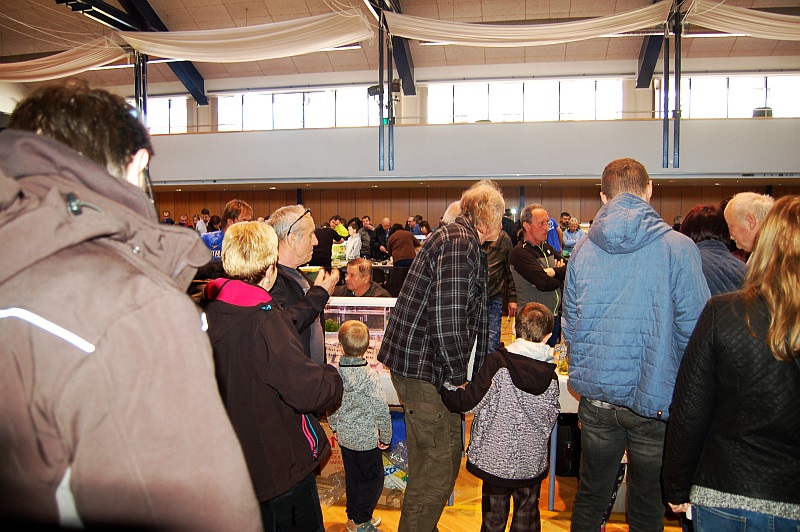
pixel 744 214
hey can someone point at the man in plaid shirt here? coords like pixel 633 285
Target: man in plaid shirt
pixel 437 334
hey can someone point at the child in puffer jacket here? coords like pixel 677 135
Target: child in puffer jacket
pixel 363 427
pixel 514 397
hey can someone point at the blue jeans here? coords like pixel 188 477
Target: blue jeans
pixel 495 308
pixel 605 434
pixel 708 519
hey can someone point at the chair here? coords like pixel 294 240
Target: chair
pixel 379 276
pixel 396 279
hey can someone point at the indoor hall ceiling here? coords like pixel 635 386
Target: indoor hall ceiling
pixel 32 28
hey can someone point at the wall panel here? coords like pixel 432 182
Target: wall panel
pixel 364 204
pixel 438 200
pixel 399 203
pixel 400 207
pixel 590 203
pixel 381 204
pixel 347 204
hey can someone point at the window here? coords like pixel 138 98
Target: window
pixel 505 101
pixel 745 94
pixel 229 113
pixel 470 102
pixel 287 110
pixel 320 109
pixel 353 107
pixel 541 101
pixel 734 96
pixel 256 111
pixel 577 99
pixel 440 104
pixel 707 98
pixel 608 99
pixel 782 94
pixel 166 115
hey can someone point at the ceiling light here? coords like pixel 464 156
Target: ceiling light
pixel 355 46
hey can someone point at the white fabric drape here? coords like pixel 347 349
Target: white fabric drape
pixel 488 35
pixel 92 55
pixel 255 43
pixel 719 17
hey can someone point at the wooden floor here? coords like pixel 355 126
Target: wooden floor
pixel 465 514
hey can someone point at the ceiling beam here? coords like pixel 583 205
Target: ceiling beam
pixel 141 16
pixel 185 71
pixel 648 57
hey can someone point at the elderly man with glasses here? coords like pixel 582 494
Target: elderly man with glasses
pixel 305 302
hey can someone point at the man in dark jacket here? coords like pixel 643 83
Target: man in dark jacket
pixel 380 242
pixel 107 394
pixel 537 267
pixel 292 290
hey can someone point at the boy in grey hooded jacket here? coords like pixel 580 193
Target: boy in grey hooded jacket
pixel 514 397
pixel 363 427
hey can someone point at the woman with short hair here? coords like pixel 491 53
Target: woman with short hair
pixel 271 390
pixel 706 226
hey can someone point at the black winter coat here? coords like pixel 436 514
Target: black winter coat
pixel 305 310
pixel 271 390
pixel 734 425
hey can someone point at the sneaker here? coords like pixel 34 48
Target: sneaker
pixel 376 520
pixel 369 526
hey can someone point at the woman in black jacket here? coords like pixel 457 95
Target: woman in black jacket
pixel 270 388
pixel 733 440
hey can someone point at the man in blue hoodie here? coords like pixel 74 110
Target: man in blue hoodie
pixel 634 290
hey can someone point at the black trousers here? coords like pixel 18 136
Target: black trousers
pixel 363 482
pixel 297 510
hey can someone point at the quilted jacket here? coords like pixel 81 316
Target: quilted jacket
pixel 634 290
pixel 515 401
pixel 734 425
pixel 723 272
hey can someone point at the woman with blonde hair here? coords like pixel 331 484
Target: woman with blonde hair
pixel 732 451
pixel 270 389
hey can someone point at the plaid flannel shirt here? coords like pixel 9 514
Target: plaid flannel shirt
pixel 441 309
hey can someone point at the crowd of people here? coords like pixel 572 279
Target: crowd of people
pixel 126 405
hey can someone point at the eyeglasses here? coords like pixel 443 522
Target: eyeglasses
pixel 308 211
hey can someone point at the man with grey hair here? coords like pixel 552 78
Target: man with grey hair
pixel 633 293
pixel 537 267
pixel 303 300
pixel 744 214
pixel 437 334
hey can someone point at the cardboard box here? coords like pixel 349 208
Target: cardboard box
pixel 333 462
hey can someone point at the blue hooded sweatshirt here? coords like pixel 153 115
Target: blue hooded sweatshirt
pixel 633 293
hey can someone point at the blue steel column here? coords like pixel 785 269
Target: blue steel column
pixel 676 128
pixel 381 47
